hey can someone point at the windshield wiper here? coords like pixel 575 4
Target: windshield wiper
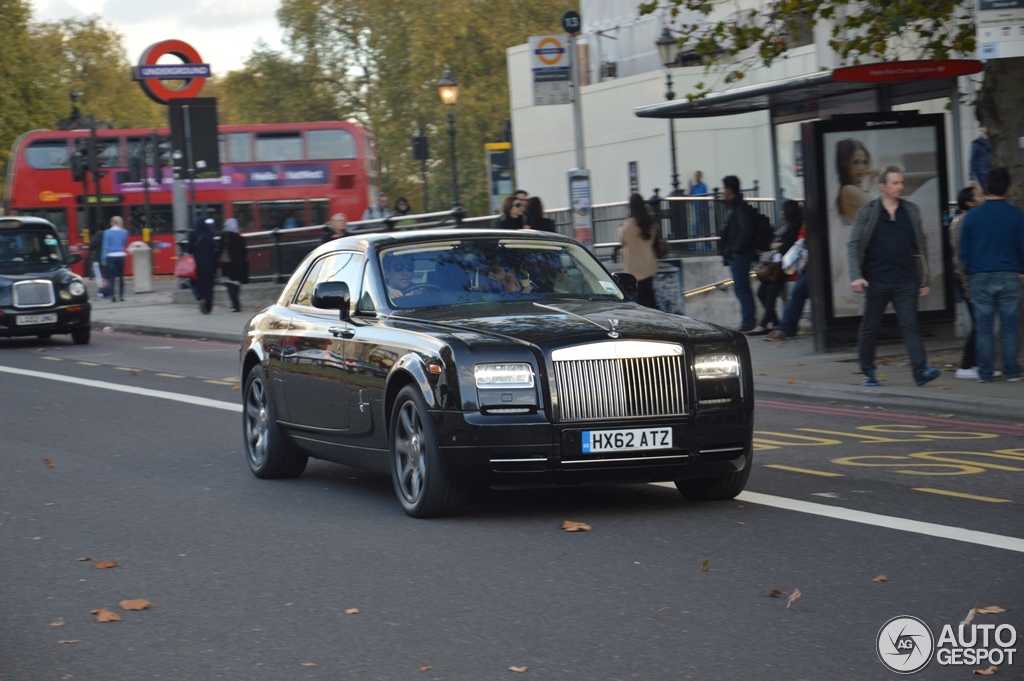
pixel 610 329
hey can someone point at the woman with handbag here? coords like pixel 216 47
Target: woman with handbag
pixel 200 245
pixel 769 272
pixel 639 236
pixel 233 261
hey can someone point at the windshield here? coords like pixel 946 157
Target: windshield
pixel 26 250
pixel 478 270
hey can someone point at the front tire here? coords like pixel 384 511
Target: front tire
pixel 421 484
pixel 268 453
pixel 722 488
pixel 81 336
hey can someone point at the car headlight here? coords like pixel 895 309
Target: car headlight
pixel 717 366
pixel 76 288
pixel 519 375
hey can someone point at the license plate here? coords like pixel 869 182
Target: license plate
pixel 27 319
pixel 626 440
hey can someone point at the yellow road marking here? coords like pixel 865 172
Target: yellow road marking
pixel 88 364
pixel 218 382
pixel 962 495
pixel 170 375
pixel 803 470
pixel 53 359
pixel 125 369
pixel 231 379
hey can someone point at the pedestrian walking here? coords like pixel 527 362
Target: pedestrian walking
pixel 535 218
pixel 113 256
pixel 380 211
pixel 794 263
pixel 968 198
pixel 768 291
pixel 233 259
pixel 638 236
pixel 335 229
pixel 200 245
pixel 981 158
pixel 888 263
pixel 992 253
pixel 513 209
pixel 737 248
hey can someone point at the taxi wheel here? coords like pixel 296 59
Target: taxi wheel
pixel 421 483
pixel 722 488
pixel 268 453
pixel 81 336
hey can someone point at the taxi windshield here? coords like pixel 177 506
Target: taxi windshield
pixel 488 269
pixel 29 249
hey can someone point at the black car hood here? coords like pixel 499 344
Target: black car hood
pixel 582 321
pixel 53 274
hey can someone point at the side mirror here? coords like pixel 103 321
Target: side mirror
pixel 333 295
pixel 627 282
pixel 74 257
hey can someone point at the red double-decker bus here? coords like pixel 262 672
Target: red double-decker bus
pixel 272 176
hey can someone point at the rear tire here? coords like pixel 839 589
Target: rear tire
pixel 268 453
pixel 421 484
pixel 722 488
pixel 81 336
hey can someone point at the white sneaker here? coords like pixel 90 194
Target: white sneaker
pixel 967 373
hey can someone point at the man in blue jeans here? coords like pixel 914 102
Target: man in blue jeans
pixel 992 253
pixel 736 246
pixel 888 263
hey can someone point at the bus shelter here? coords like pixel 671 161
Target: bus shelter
pixel 818 121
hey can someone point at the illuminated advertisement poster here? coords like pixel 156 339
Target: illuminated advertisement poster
pixel 854 154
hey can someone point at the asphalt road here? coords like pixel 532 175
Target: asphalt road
pixel 253 579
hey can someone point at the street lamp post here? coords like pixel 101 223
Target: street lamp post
pixel 448 89
pixel 668 48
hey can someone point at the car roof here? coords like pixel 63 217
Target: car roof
pixel 14 221
pixel 385 239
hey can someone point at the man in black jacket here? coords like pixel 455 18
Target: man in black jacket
pixel 737 248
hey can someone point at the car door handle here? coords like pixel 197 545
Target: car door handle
pixel 342 332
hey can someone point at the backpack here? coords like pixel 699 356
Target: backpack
pixel 764 234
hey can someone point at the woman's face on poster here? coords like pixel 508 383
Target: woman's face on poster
pixel 858 165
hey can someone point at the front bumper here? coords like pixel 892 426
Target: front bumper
pixel 69 318
pixel 529 451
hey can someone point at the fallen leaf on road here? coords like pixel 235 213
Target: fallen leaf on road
pixel 793 596
pixel 833 401
pixel 70 640
pixel 990 610
pixel 517 669
pixel 104 615
pixel 36 538
pixel 308 664
pixel 942 416
pixel 881 408
pixel 135 604
pixel 741 523
pixel 49 503
pixel 133 372
pixel 58 623
pixel 425 668
pixel 287 604
pixel 104 564
pixel 970 617
pixel 986 672
pixel 236 387
pixel 352 611
pixel 573 526
pixel 880 578
pixel 41 350
pixel 662 610
pixel 774 593
pixel 81 559
pixel 48 463
pixel 705 566
pixel 793 380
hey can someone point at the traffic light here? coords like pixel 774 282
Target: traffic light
pixel 162 157
pixel 419 148
pixel 80 161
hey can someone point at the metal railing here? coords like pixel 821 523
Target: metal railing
pixel 692 226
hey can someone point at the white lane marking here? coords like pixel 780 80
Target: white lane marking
pixel 160 347
pixel 162 394
pixel 996 541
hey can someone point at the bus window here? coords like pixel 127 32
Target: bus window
pixel 278 146
pixel 161 219
pixel 48 154
pixel 58 216
pixel 239 150
pixel 282 214
pixel 137 146
pixel 318 211
pixel 108 150
pixel 243 212
pixel 326 145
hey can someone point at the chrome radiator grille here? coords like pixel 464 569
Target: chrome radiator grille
pixel 619 380
pixel 37 293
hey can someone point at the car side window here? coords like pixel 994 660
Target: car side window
pixel 366 301
pixel 305 294
pixel 346 267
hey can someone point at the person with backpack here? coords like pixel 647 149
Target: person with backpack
pixel 736 246
pixel 774 281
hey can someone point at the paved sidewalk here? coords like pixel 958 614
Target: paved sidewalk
pixel 787 369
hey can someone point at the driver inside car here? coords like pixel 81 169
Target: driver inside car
pixel 398 271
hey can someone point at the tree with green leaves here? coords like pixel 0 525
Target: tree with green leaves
pixel 885 30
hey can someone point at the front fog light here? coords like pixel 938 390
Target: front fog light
pixel 76 288
pixel 503 375
pixel 717 366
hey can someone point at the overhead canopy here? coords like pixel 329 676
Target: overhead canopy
pixel 920 77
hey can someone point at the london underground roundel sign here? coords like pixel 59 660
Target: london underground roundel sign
pixel 192 71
